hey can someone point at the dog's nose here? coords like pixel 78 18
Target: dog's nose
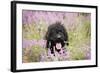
pixel 58 36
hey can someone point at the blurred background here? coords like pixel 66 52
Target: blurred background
pixel 34 28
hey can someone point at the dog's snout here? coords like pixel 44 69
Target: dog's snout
pixel 58 36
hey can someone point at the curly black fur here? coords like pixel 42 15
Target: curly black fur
pixel 56 34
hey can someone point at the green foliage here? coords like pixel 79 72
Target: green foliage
pixel 77 38
pixel 33 31
pixel 34 53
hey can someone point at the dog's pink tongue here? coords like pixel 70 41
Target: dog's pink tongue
pixel 58 45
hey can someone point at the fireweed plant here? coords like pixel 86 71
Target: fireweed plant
pixel 35 25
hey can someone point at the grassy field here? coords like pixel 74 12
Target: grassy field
pixel 35 24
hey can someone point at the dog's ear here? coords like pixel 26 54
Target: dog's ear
pixel 65 35
pixel 48 33
pixel 47 44
pixel 66 38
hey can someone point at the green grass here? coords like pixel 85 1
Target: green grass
pixel 79 39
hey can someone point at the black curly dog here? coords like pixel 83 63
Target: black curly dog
pixel 56 34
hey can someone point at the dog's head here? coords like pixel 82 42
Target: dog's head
pixel 56 34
